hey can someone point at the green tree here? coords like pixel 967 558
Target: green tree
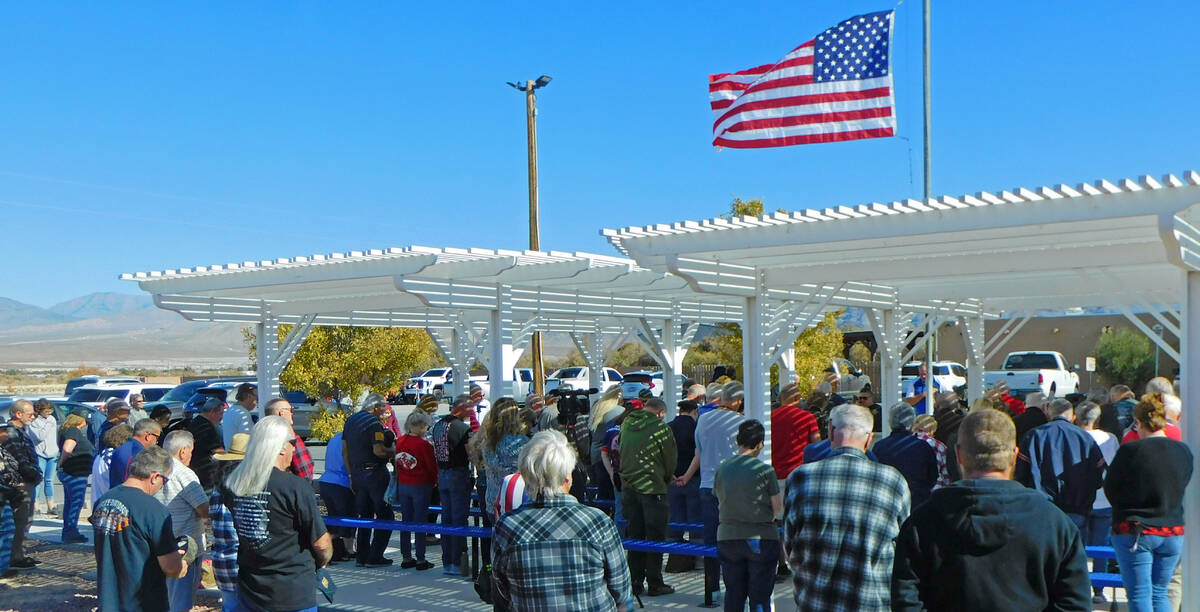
pixel 342 362
pixel 816 347
pixel 1125 356
pixel 859 353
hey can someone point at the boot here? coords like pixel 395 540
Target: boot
pixel 339 550
pixel 677 563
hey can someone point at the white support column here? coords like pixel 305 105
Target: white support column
pixel 501 356
pixel 787 365
pixel 755 375
pixel 591 346
pixel 972 334
pixel 267 337
pixel 1190 369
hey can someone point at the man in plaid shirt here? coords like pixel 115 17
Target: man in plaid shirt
pixel 553 553
pixel 841 518
pixel 302 463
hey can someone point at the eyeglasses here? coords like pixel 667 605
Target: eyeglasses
pixel 165 480
pixel 156 436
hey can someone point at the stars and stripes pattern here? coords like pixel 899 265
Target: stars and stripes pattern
pixel 835 87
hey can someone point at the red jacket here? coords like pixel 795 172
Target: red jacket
pixel 1015 406
pixel 415 463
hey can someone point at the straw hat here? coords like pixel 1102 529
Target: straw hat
pixel 237 448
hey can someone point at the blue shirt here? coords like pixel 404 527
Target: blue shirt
pixel 821 450
pixel 919 388
pixel 335 466
pixel 914 458
pixel 1063 461
pixel 118 467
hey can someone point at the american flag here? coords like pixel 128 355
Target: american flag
pixel 835 87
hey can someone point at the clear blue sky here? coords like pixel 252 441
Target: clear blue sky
pixel 151 136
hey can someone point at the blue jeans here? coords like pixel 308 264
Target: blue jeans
pixel 710 512
pixel 245 605
pixel 181 592
pixel 685 505
pixel 749 569
pixel 8 528
pixel 47 467
pixel 414 505
pixel 74 490
pixel 369 487
pixel 229 601
pixel 1147 563
pixel 1097 533
pixel 455 485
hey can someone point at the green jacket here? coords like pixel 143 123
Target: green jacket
pixel 648 453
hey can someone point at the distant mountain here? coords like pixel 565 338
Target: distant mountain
pixel 19 314
pixel 102 305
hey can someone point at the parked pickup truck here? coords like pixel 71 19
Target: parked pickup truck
pixel 439 382
pixel 1028 371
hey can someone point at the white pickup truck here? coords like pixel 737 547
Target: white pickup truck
pixel 1028 371
pixel 439 382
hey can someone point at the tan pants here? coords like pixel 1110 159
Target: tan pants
pixel 1175 588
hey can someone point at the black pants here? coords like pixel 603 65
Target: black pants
pixel 22 517
pixel 599 478
pixel 749 570
pixel 485 544
pixel 369 489
pixel 339 501
pixel 647 516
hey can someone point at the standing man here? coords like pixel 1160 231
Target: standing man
pixel 716 441
pixel 916 399
pixel 1033 417
pixel 118 413
pixel 185 499
pixel 841 518
pixel 913 457
pixel 237 418
pixel 302 463
pixel 959 551
pixel 145 434
pixel 1064 462
pixel 20 446
pixel 207 440
pixel 482 405
pixel 747 539
pixel 366 450
pixel 136 410
pixel 450 437
pixel 135 541
pixel 648 448
pixel 684 499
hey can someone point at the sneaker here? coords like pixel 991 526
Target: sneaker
pixel 659 589
pixel 74 538
pixel 408 563
pixel 423 565
pixel 26 563
pixel 449 570
pixel 379 562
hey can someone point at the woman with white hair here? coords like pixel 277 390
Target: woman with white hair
pixel 553 553
pixel 281 537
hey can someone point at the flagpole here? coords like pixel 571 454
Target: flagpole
pixel 930 330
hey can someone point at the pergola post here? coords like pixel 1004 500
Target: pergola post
pixel 972 334
pixel 787 366
pixel 755 375
pixel 267 339
pixel 668 348
pixel 591 346
pixel 885 327
pixel 501 356
pixel 1190 368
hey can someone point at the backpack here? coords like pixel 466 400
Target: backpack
pixel 441 440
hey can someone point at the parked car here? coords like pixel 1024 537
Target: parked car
pixel 175 398
pixel 98 395
pixel 430 382
pixel 302 405
pixel 634 382
pixel 576 377
pixel 948 374
pixel 80 381
pixel 61 407
pixel 1027 371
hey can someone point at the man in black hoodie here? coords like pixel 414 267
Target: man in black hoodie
pixel 958 551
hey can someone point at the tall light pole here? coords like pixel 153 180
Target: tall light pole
pixel 535 343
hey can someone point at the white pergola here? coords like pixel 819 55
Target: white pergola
pixel 475 303
pixel 1129 244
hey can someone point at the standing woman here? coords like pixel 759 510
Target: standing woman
pixel 75 454
pixel 43 431
pixel 416 476
pixel 1145 485
pixel 334 486
pixel 503 439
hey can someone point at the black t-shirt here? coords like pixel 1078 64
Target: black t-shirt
pixel 80 461
pixel 450 438
pixel 275 530
pixel 684 428
pixel 132 529
pixel 208 439
pixel 360 435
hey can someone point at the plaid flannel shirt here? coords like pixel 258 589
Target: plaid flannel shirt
pixel 302 463
pixel 558 554
pixel 939 450
pixel 841 519
pixel 224 545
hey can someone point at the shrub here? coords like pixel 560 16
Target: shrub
pixel 1125 356
pixel 327 423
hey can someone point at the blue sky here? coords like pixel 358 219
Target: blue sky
pixel 149 136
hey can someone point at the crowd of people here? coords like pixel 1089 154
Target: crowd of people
pixel 933 515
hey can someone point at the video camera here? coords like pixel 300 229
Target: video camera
pixel 571 404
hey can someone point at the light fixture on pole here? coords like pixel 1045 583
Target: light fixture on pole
pixel 535 342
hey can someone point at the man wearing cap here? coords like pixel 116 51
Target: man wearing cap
pixel 482 405
pixel 118 412
pixel 302 463
pixel 546 418
pixel 207 440
pixel 450 437
pixel 367 447
pixel 237 417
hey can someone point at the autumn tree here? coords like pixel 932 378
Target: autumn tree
pixel 342 362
